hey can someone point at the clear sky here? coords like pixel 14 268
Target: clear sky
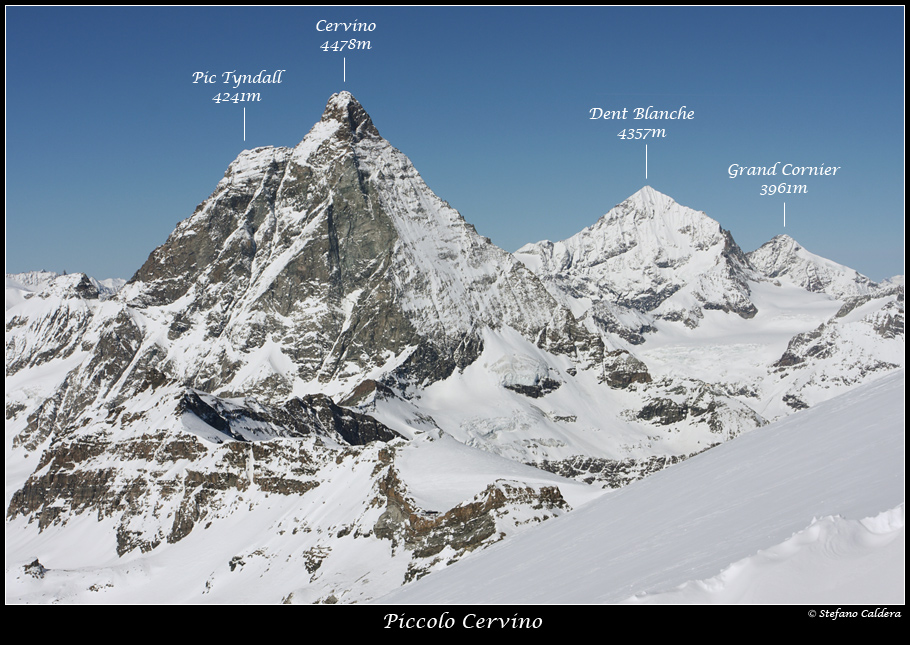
pixel 109 143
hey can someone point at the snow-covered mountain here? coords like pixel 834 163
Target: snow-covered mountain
pixel 647 255
pixel 322 263
pixel 785 260
pixel 658 280
pixel 326 354
pixel 20 286
pixel 807 510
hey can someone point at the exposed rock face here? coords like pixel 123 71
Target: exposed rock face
pixel 313 414
pixel 611 473
pixel 692 402
pixel 665 411
pixel 621 369
pixel 159 503
pixel 460 529
pixel 865 337
pixel 334 255
pixel 35 569
pixel 237 446
pixel 539 389
pixel 805 345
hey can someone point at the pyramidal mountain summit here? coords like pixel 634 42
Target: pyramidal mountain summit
pixel 334 259
pixel 326 384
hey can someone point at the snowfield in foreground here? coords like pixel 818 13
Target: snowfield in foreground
pixel 806 510
pixel 832 561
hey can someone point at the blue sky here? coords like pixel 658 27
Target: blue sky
pixel 109 143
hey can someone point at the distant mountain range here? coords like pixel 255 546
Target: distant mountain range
pixel 20 286
pixel 326 383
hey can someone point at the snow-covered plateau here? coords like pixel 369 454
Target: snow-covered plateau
pixel 327 387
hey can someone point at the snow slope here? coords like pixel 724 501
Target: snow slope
pixel 842 461
pixel 832 561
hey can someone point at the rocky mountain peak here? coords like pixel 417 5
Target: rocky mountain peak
pixel 650 200
pixel 782 258
pixel 650 255
pixel 346 110
pixel 649 212
pixel 783 243
pixel 321 262
pixel 73 285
